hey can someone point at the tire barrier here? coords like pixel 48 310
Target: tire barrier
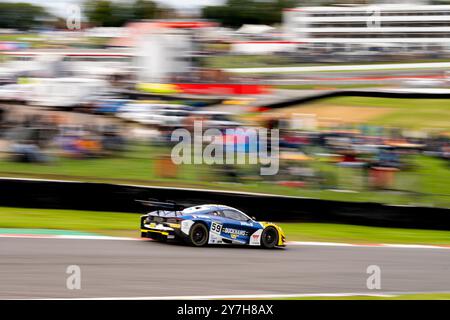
pixel 31 193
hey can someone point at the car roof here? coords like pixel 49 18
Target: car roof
pixel 208 208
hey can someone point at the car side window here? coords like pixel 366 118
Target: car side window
pixel 216 213
pixel 233 214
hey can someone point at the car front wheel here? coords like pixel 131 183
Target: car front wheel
pixel 269 237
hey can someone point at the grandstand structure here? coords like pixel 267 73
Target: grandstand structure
pixel 408 26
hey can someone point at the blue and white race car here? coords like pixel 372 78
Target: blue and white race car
pixel 208 224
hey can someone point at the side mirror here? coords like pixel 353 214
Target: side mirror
pixel 253 218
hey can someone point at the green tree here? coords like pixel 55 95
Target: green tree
pixel 22 16
pixel 100 13
pixel 143 9
pixel 235 13
pixel 107 13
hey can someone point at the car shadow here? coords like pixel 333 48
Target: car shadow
pixel 223 246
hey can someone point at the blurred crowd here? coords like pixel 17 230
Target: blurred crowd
pixel 316 159
pixel 42 138
pixel 371 154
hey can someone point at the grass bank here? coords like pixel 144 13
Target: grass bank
pixel 404 113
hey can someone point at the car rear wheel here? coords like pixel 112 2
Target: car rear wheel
pixel 269 237
pixel 198 235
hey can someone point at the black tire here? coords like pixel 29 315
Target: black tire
pixel 198 235
pixel 269 238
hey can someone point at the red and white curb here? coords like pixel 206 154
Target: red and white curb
pixel 289 243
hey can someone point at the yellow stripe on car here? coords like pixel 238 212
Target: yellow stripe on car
pixel 157 231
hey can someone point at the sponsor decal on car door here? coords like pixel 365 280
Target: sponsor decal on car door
pixel 233 231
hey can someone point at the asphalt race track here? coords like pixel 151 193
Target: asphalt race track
pixel 36 268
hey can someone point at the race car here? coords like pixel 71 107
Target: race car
pixel 208 224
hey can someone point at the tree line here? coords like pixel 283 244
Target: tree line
pixel 108 13
pixel 22 16
pixel 235 13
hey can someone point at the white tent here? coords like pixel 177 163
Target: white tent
pixel 255 29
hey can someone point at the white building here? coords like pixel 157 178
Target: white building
pixel 408 26
pixel 263 47
pixel 160 53
pixel 97 63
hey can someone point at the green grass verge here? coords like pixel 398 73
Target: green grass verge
pixel 127 224
pixel 247 61
pixel 393 68
pixel 270 61
pixel 362 234
pixel 406 113
pixel 20 37
pixel 108 223
pixel 328 86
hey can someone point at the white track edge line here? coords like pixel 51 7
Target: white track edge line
pixel 289 243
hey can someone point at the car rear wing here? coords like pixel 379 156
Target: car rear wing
pixel 162 205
